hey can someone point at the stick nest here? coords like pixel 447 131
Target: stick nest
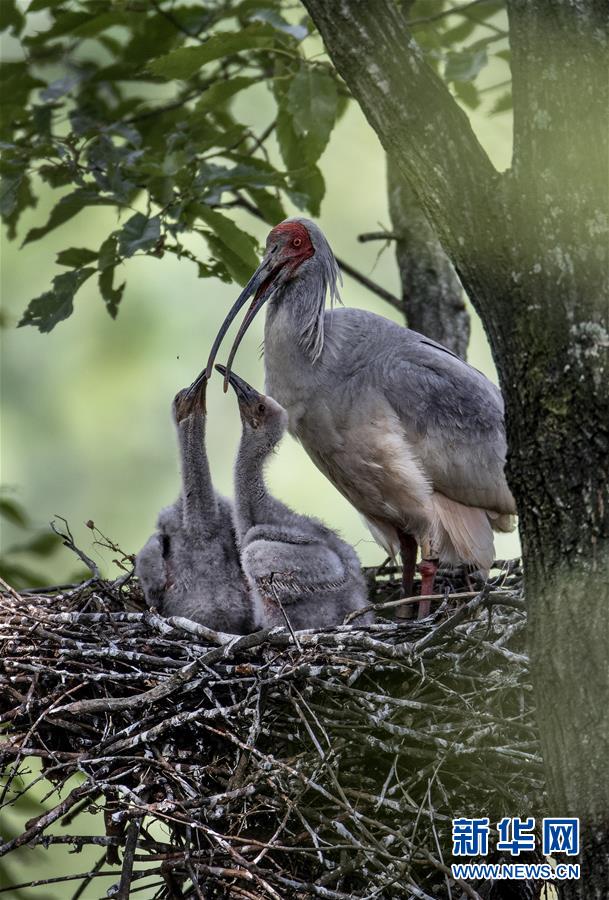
pixel 317 764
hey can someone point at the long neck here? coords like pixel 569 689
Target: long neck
pixel 303 300
pixel 254 505
pixel 293 339
pixel 198 496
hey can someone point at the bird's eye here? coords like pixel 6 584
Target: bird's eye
pixel 261 408
pixel 296 242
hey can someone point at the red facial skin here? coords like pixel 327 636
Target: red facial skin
pixel 296 244
pixel 295 247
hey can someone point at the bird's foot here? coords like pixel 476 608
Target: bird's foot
pixel 428 569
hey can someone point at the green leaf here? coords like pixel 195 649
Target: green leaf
pixel 221 91
pixel 111 296
pixel 230 262
pixel 9 188
pixel 289 145
pixel 139 233
pixel 458 33
pixel 467 92
pixel 11 16
pixel 66 209
pixel 43 544
pixel 502 104
pixel 308 189
pixel 251 172
pixel 269 205
pixel 184 62
pixel 52 307
pixel 108 260
pixel 75 257
pixel 18 197
pixel 239 253
pixel 464 66
pixel 13 512
pixel 313 102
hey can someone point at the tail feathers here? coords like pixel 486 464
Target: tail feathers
pixel 385 535
pixel 504 522
pixel 462 533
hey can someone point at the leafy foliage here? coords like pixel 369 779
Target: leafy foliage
pixel 131 105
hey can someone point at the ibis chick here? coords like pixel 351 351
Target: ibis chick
pixel 297 568
pixel 190 566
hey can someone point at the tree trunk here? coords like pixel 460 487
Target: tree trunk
pixel 530 247
pixel 431 292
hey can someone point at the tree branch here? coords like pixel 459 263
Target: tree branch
pixel 419 124
pixel 432 296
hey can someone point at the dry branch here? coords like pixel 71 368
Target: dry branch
pixel 326 767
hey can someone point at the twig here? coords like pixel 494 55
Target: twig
pixel 68 541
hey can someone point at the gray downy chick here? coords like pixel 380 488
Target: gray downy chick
pixel 296 566
pixel 190 566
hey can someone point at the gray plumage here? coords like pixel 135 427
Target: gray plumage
pixel 190 566
pixel 292 562
pixel 409 433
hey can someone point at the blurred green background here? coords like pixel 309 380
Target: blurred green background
pixel 86 427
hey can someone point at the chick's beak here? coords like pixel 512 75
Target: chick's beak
pixel 246 394
pixel 188 399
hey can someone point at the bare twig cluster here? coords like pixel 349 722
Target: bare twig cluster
pixel 327 766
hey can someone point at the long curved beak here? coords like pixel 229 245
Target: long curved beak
pixel 244 391
pixel 260 284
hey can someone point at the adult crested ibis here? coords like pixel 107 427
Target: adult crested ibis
pixel 407 431
pixel 296 567
pixel 190 566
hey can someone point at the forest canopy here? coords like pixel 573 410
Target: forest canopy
pixel 128 105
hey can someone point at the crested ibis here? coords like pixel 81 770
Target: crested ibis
pixel 407 431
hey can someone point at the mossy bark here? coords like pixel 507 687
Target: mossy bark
pixel 531 249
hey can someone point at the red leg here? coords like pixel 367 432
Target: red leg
pixel 408 550
pixel 428 569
